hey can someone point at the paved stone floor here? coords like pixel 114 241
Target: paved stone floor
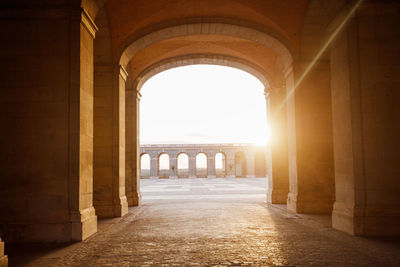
pixel 212 222
pixel 194 190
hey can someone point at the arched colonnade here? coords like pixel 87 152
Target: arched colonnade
pixel 252 158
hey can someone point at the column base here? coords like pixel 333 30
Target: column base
pixel 345 220
pixel 314 205
pixel 134 198
pixel 192 177
pixel 275 196
pixel 211 176
pixel 80 226
pixel 173 177
pixel 366 221
pixel 3 258
pixel 3 261
pixel 107 210
pixel 83 224
pixel 153 177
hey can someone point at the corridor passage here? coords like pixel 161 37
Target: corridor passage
pixel 213 222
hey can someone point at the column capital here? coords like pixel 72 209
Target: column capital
pixel 123 73
pixel 288 71
pixel 88 23
pixel 275 89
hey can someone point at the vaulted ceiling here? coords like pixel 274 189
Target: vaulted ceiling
pixel 129 19
pixel 287 22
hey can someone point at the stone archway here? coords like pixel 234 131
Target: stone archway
pixel 218 59
pixel 283 79
pixel 271 81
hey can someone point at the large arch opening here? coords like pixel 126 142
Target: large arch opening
pixel 187 42
pixel 265 58
pixel 268 49
pixel 184 113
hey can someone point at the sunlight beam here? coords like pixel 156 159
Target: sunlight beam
pixel 321 51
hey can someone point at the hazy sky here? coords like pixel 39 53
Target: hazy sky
pixel 203 104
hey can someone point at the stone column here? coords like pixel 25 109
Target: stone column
pixel 310 141
pixel 46 163
pixel 192 166
pixel 277 151
pixel 173 166
pixel 132 152
pixel 153 166
pixel 83 218
pixel 3 258
pixel 224 165
pixel 211 165
pixel 250 165
pixel 109 138
pixel 230 165
pixel 366 119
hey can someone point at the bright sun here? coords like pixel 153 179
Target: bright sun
pixel 262 139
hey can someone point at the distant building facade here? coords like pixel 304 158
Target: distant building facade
pixel 222 160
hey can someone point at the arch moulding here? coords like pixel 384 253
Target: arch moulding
pixel 284 57
pixel 195 59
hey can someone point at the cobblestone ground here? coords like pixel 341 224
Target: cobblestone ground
pixel 213 222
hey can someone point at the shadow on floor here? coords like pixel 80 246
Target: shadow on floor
pixel 20 254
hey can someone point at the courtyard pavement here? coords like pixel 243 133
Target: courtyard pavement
pixel 203 189
pixel 212 222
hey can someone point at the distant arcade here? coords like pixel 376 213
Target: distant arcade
pixel 237 160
